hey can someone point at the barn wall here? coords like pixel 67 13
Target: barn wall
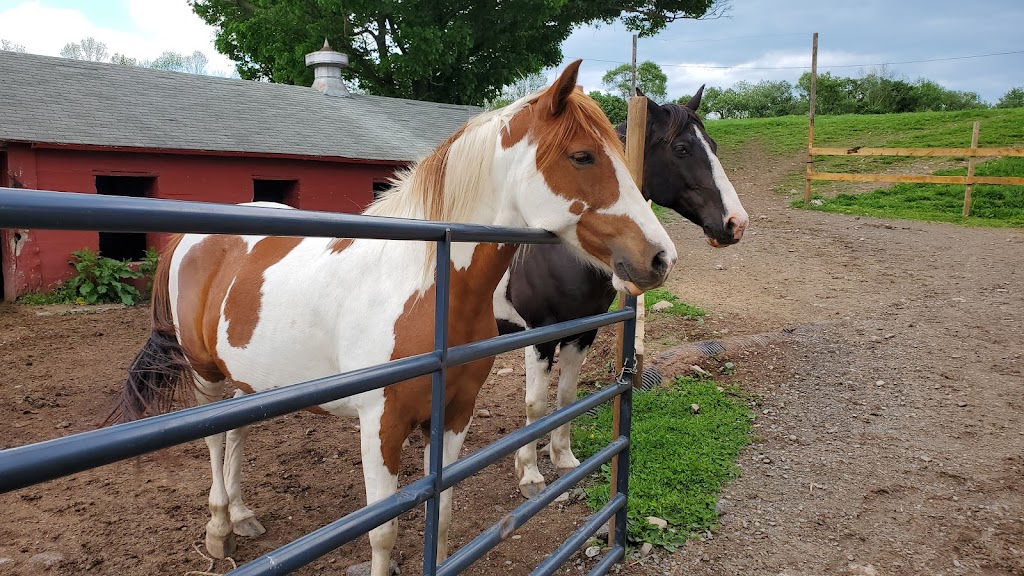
pixel 37 260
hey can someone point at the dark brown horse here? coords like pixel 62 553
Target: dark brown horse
pixel 548 283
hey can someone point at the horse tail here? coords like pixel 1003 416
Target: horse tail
pixel 161 371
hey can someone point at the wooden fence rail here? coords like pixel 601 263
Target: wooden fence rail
pixel 970 153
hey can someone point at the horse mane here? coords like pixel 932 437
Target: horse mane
pixel 678 117
pixel 448 183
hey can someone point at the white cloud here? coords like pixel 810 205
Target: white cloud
pixel 160 25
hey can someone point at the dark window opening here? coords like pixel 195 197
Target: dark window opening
pixel 129 246
pixel 379 188
pixel 280 191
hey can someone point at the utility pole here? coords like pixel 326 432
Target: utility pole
pixel 632 76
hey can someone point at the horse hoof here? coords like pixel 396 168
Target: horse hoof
pixel 563 470
pixel 220 548
pixel 364 569
pixel 249 527
pixel 532 489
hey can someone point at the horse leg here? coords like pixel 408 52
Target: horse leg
pixel 538 375
pixel 570 361
pixel 453 441
pixel 243 521
pixel 220 541
pixel 381 481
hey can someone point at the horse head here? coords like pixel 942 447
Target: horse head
pixel 682 171
pixel 567 173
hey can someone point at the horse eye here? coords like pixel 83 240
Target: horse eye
pixel 681 150
pixel 582 158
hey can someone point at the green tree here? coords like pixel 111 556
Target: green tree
pixel 194 63
pixel 615 107
pixel 8 46
pixel 1014 98
pixel 123 60
pixel 460 53
pixel 89 49
pixel 650 79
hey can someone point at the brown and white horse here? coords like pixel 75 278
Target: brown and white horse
pixel 260 312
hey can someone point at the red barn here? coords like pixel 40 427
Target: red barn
pixel 95 128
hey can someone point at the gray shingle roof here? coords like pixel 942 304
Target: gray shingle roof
pixel 55 100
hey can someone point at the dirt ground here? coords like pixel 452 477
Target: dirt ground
pixel 888 439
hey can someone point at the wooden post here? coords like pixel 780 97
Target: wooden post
pixel 636 136
pixel 970 169
pixel 810 128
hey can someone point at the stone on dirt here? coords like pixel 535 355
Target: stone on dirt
pixel 46 559
pixel 505 371
pixel 662 305
pixel 364 569
pixel 659 522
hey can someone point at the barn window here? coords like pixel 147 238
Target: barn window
pixel 124 245
pixel 379 188
pixel 280 191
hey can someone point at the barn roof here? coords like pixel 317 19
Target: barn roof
pixel 61 101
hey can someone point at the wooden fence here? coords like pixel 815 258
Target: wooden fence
pixel 971 153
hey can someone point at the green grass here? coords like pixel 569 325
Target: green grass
pixel 679 461
pixel 60 295
pixel 661 212
pixel 679 308
pixel 995 206
pixel 992 205
pixel 999 127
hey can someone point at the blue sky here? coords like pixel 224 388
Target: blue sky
pixel 761 39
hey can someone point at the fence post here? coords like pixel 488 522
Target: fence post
pixel 636 136
pixel 436 462
pixel 970 169
pixel 810 126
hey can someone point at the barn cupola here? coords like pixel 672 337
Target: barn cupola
pixel 327 65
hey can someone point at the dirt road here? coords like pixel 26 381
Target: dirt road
pixel 891 439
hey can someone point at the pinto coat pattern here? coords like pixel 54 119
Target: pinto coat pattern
pixel 260 312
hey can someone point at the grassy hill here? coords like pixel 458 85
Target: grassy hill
pixel 786 137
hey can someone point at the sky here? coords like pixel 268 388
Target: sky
pixel 760 39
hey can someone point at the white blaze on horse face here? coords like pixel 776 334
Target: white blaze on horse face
pixel 730 200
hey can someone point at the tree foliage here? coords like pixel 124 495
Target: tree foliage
pixel 8 46
pixel 877 92
pixel 89 49
pixel 462 52
pixel 615 107
pixel 194 63
pixel 650 79
pixel 1014 98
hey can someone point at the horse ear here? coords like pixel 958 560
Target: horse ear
pixel 563 87
pixel 694 102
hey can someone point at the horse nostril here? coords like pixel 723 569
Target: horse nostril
pixel 735 226
pixel 660 263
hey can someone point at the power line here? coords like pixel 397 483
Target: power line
pixel 701 40
pixel 742 67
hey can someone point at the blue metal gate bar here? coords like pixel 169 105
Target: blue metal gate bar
pixel 614 555
pixel 453 474
pixel 437 391
pixel 477 461
pixel 34 463
pixel 322 541
pixel 22 208
pixel 511 521
pixel 26 465
pixel 579 537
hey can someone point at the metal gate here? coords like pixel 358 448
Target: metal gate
pixel 33 463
